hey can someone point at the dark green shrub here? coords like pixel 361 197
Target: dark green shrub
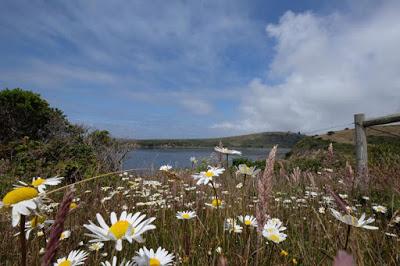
pixel 24 113
pixel 260 164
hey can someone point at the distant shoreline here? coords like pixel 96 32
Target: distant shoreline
pixel 258 140
pixel 204 148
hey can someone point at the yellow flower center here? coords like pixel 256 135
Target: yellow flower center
pixel 119 229
pixel 247 222
pixel 209 174
pixel 37 220
pixel 19 194
pixel 154 262
pixel 65 263
pixel 37 182
pixel 274 237
pixel 284 253
pixel 354 221
pixel 216 202
pixel 185 216
pixel 73 205
pixel 64 235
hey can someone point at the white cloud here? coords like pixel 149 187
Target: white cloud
pixel 174 55
pixel 326 68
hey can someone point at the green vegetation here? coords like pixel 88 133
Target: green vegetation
pixel 39 141
pixel 382 150
pixel 259 140
pixel 298 190
pixel 260 164
pixel 24 113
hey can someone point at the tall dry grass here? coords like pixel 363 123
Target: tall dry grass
pixel 314 235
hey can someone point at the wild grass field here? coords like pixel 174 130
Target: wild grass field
pixel 320 213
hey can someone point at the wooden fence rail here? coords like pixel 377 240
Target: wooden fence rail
pixel 360 126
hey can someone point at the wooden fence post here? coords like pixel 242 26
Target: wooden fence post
pixel 361 147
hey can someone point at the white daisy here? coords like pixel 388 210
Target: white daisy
pixel 114 262
pixel 41 183
pixel 206 177
pixel 226 150
pixel 243 169
pixel 128 227
pixel 273 230
pixel 216 203
pixel 276 223
pixel 343 196
pixel 231 226
pixel 390 234
pixel 274 235
pixel 22 200
pixel 379 208
pixel 218 250
pixel 166 167
pixel 239 186
pixel 65 235
pixel 351 220
pixel 96 246
pixel 37 222
pixel 193 160
pixel 75 257
pixel 248 220
pixel 186 215
pixel 147 257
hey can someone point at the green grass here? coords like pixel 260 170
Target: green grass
pixel 313 238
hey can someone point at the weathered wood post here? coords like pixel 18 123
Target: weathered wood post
pixel 361 147
pixel 360 132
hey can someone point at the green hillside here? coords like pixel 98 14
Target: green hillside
pixel 258 140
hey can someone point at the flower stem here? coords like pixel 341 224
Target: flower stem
pixel 347 236
pixel 244 194
pixel 216 199
pixel 270 254
pixel 186 238
pixel 22 240
pixel 215 193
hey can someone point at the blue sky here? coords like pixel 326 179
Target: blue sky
pixel 181 69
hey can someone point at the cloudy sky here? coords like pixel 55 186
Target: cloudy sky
pixel 162 69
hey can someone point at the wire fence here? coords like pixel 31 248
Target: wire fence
pixel 384 131
pixel 328 128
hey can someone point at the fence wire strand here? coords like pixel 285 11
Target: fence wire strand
pixel 385 132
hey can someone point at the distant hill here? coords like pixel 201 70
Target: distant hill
pixel 258 140
pixel 383 142
pixel 347 135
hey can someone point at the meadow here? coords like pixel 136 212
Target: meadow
pixel 297 217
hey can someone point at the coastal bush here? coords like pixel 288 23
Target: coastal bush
pixel 38 140
pixel 260 164
pixel 24 113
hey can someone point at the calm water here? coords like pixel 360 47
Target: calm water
pixel 179 158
